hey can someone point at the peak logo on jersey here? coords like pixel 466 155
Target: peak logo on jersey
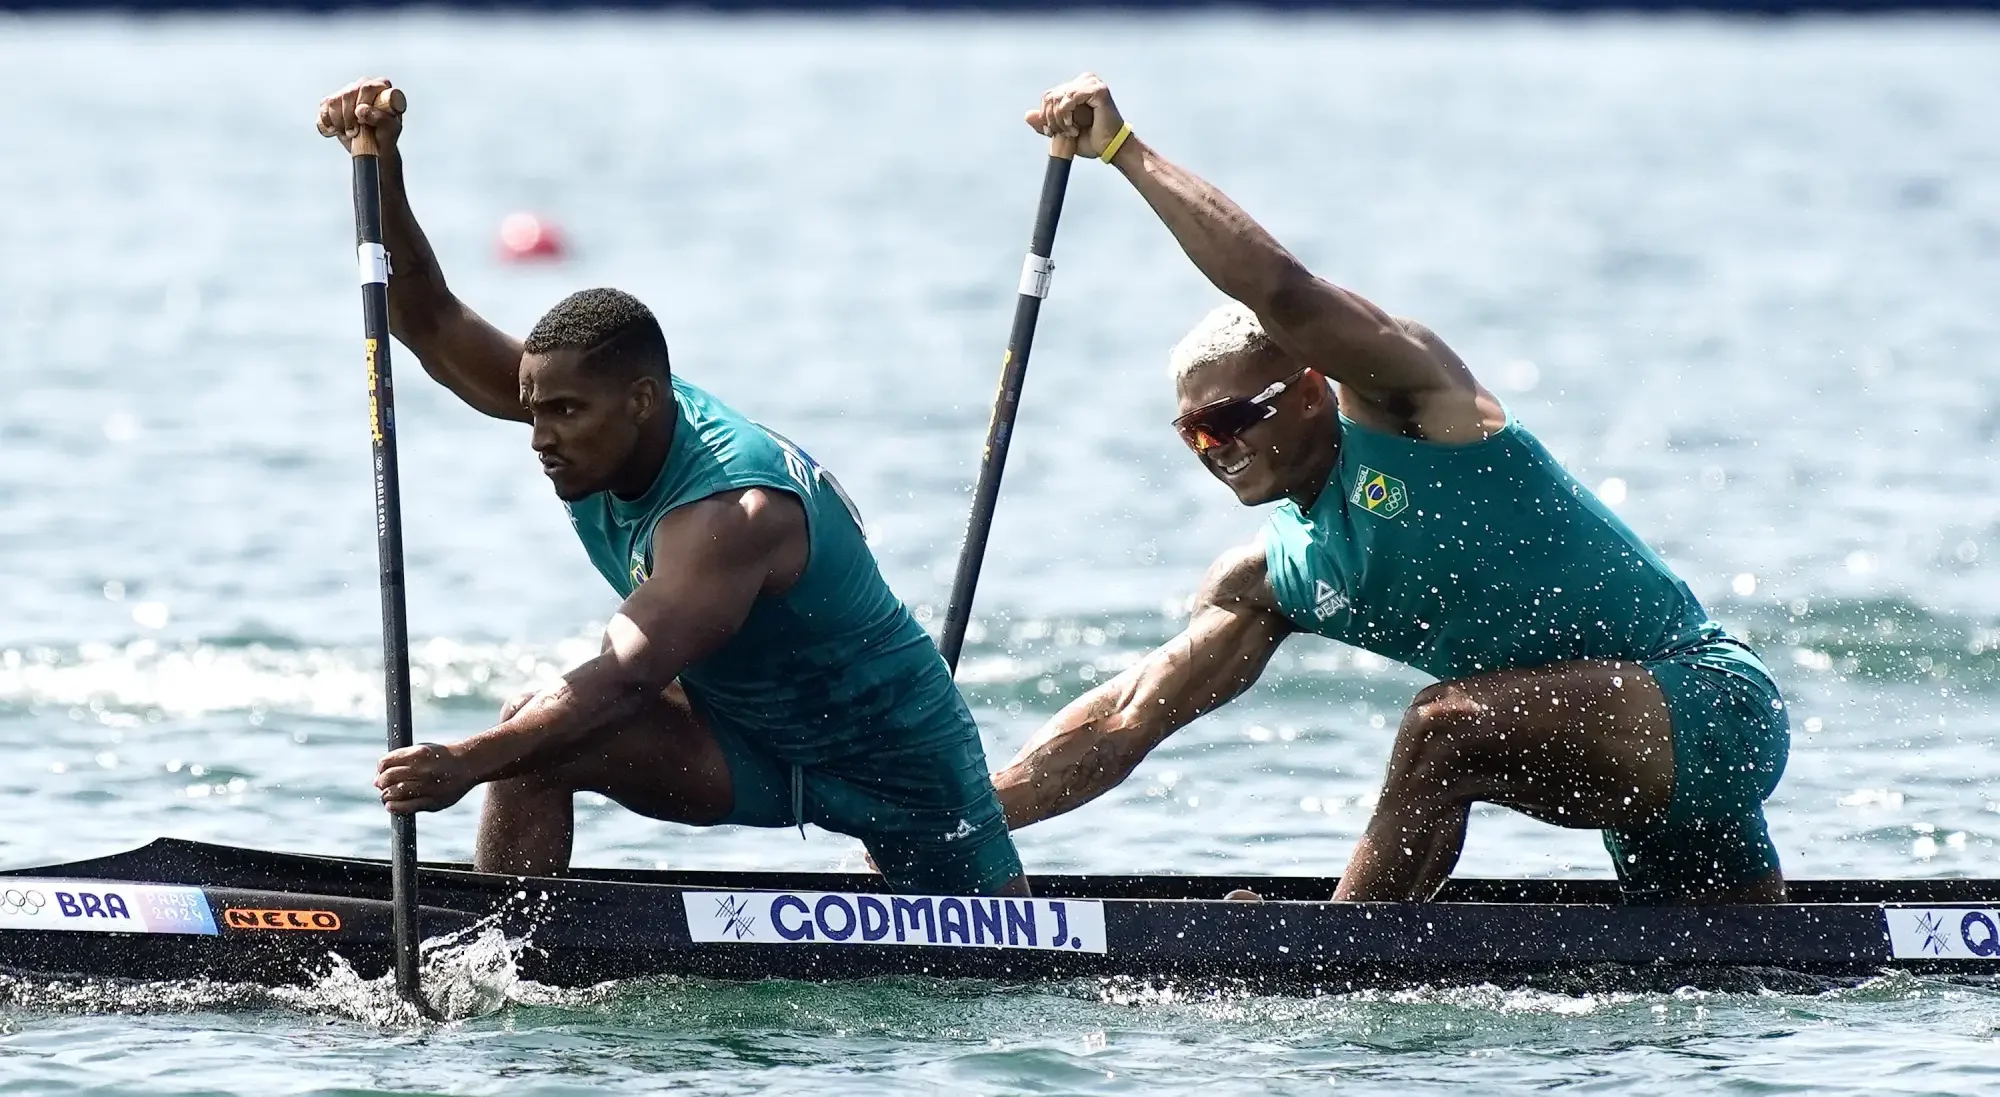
pixel 1327 599
pixel 1380 494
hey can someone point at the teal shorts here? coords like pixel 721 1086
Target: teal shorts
pixel 1731 738
pixel 928 815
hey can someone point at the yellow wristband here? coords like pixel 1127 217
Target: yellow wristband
pixel 1117 143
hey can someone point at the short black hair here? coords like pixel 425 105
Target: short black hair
pixel 613 330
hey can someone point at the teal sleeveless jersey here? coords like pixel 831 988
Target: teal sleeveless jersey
pixel 835 665
pixel 1462 559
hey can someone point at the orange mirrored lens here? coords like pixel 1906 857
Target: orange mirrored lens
pixel 1201 441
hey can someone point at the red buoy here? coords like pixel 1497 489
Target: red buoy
pixel 525 237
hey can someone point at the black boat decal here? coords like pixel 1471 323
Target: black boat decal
pixel 98 906
pixel 1943 933
pixel 844 918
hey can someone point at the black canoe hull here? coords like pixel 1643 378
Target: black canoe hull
pixel 278 918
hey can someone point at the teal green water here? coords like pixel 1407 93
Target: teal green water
pixel 1737 276
pixel 1895 1035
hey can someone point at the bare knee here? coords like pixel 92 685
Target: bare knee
pixel 1435 756
pixel 1441 719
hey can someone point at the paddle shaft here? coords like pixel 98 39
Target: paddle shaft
pixel 1007 402
pixel 388 531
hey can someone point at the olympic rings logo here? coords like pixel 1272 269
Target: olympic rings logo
pixel 15 901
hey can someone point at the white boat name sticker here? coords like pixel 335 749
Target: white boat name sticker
pixel 1943 933
pixel 821 917
pixel 103 906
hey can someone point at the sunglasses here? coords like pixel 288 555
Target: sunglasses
pixel 1224 421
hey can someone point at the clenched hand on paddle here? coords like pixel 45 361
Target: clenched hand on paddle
pixel 366 109
pixel 1083 111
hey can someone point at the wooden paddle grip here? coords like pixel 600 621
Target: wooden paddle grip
pixel 392 100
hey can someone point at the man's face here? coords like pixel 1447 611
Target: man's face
pixel 586 425
pixel 1257 447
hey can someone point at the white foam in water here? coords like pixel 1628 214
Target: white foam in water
pixel 468 974
pixel 158 679
pixel 195 678
pixel 118 996
pixel 1225 1003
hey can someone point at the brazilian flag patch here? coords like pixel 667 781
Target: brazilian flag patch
pixel 1379 493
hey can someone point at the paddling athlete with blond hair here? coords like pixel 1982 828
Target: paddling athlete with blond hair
pixel 759 671
pixel 1579 680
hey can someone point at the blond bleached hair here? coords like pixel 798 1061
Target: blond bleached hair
pixel 1228 331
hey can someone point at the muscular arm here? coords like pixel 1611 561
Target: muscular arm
pixel 1098 740
pixel 726 550
pixel 472 358
pixel 1394 371
pixel 1386 361
pixel 478 362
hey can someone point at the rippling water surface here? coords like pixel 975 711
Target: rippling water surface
pixel 1739 276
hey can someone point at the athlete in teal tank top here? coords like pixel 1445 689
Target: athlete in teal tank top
pixel 1580 681
pixel 830 703
pixel 1467 558
pixel 759 670
pixel 835 667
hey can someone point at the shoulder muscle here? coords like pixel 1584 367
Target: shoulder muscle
pixel 1239 580
pixel 763 529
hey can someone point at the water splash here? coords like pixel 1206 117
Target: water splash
pixel 474 972
pixel 466 975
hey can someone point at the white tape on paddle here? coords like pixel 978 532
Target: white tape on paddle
pixel 1035 274
pixel 374 265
